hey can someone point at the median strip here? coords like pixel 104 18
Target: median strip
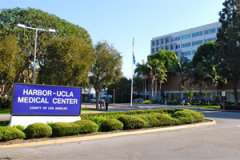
pixel 107 135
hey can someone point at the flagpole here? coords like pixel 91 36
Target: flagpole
pixel 133 59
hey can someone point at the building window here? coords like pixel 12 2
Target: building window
pixel 153 50
pixel 197 34
pixel 210 31
pixel 166 40
pixel 178 46
pixel 210 40
pixel 193 52
pixel 187 54
pixel 186 36
pixel 153 43
pixel 185 45
pixel 195 43
pixel 162 41
pixel 157 42
pixel 177 38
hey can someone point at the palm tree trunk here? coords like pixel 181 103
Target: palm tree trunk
pixel 152 87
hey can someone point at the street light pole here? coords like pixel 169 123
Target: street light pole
pixel 35 45
pixel 35 56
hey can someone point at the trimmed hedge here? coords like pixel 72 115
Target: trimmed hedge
pixel 38 130
pixel 132 122
pixel 60 129
pixel 150 120
pixel 166 119
pixel 10 133
pixel 21 128
pixel 68 129
pixel 98 120
pixel 116 115
pixel 188 116
pixel 111 125
pixel 86 126
pixel 91 123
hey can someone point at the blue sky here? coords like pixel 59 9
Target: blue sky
pixel 117 21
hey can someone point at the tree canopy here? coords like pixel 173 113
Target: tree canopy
pixel 206 65
pixel 106 69
pixel 12 60
pixel 67 62
pixel 9 18
pixel 228 42
pixel 157 68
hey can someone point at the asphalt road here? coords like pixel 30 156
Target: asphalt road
pixel 219 142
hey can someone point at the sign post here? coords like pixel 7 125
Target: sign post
pixel 44 104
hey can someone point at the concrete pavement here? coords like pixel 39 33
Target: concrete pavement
pixel 210 143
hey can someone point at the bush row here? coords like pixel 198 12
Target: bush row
pixel 102 123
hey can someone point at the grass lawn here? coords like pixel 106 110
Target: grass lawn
pixel 209 106
pixel 4 111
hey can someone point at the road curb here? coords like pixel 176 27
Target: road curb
pixel 105 135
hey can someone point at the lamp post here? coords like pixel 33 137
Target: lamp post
pixel 35 44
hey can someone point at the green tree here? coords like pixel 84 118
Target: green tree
pixel 9 18
pixel 11 63
pixel 120 90
pixel 67 62
pixel 106 69
pixel 206 66
pixel 143 71
pixel 228 42
pixel 160 65
pixel 183 69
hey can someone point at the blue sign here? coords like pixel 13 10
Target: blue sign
pixel 43 100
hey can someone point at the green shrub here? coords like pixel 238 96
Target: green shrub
pixel 100 117
pixel 165 119
pixel 97 119
pixel 132 122
pixel 10 133
pixel 197 116
pixel 60 129
pixel 4 123
pixel 38 130
pixel 86 126
pixel 188 116
pixel 111 125
pixel 21 128
pixel 147 101
pixel 150 120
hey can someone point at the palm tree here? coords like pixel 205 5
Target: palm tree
pixel 161 64
pixel 143 71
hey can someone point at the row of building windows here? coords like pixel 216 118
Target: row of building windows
pixel 184 45
pixel 184 37
pixel 189 54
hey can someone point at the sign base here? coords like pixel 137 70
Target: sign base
pixel 27 120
